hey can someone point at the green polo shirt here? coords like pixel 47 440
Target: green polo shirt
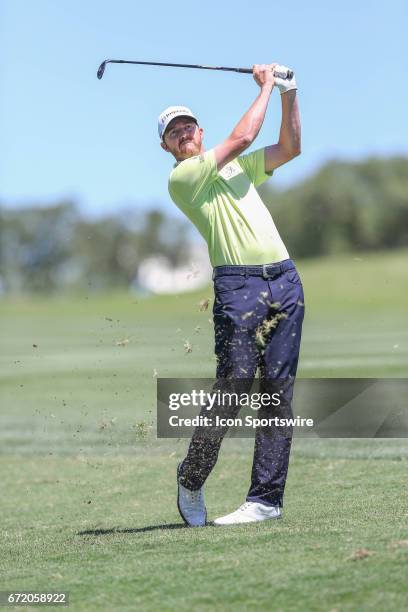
pixel 227 209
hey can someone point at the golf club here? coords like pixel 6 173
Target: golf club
pixel 288 74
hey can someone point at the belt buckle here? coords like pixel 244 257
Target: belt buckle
pixel 265 274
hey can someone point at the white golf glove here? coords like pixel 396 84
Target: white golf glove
pixel 284 85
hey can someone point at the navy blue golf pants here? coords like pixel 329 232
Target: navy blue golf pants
pixel 258 314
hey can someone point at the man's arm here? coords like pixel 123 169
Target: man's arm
pixel 289 143
pixel 248 127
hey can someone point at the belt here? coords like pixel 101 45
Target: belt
pixel 265 270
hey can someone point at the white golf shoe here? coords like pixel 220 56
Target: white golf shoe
pixel 250 512
pixel 191 506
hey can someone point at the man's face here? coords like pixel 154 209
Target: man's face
pixel 183 138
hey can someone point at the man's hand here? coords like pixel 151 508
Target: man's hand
pixel 263 75
pixel 284 85
pixel 246 130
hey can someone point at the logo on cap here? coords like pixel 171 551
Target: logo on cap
pixel 171 113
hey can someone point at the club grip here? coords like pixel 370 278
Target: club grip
pixel 287 74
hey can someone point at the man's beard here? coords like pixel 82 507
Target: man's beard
pixel 188 149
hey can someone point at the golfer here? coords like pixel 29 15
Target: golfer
pixel 259 304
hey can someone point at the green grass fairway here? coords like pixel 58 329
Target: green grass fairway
pixel 108 531
pixel 88 493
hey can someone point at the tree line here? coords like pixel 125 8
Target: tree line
pixel 343 207
pixel 55 248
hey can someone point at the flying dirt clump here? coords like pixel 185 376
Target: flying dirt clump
pixel 262 331
pixel 203 304
pixel 187 346
pixel 142 429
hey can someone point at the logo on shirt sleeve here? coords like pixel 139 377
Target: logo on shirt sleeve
pixel 228 171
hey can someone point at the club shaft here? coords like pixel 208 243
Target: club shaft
pixel 245 70
pixel 200 67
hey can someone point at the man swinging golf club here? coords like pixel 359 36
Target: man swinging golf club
pixel 256 285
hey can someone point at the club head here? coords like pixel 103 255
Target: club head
pixel 101 70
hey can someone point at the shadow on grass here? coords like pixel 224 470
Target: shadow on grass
pixel 101 532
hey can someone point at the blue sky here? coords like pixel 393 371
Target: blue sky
pixel 65 134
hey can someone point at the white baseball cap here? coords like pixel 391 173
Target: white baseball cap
pixel 170 113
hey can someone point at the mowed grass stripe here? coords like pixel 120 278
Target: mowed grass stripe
pixel 103 516
pixel 354 361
